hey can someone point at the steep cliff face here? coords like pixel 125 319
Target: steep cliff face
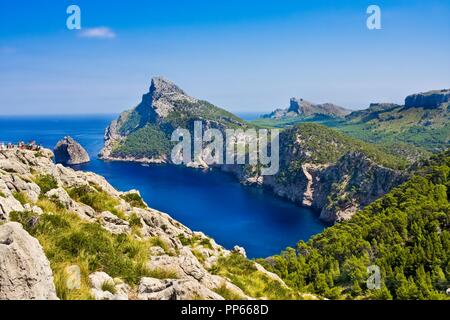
pixel 119 246
pixel 428 100
pixel 329 172
pixel 349 185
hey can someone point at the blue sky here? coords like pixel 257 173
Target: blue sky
pixel 245 56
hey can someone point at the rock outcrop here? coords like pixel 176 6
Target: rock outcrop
pixel 428 100
pixel 69 152
pixel 300 107
pixel 24 269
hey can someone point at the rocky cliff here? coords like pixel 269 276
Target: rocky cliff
pixel 429 100
pixel 115 245
pixel 329 172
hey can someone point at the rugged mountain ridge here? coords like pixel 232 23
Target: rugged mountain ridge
pixel 298 107
pixel 313 162
pixel 419 126
pixel 122 248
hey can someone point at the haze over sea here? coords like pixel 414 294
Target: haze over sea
pixel 212 202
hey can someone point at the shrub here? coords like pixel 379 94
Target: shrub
pixel 97 199
pixel 109 286
pixel 243 273
pixel 46 183
pixel 134 200
pixel 158 242
pixel 21 197
pixel 226 293
pixel 162 274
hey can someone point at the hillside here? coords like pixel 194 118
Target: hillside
pixel 422 124
pixel 330 172
pixel 406 234
pixel 70 235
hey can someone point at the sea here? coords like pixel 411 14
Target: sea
pixel 213 201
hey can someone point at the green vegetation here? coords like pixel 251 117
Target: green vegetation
pixel 158 242
pixel 134 199
pixel 195 240
pixel 96 198
pixel 67 240
pixel 226 293
pixel 146 138
pixel 425 129
pixel 243 273
pixel 46 183
pixel 322 145
pixel 162 274
pixel 21 197
pixel 406 233
pixel 149 141
pixel 109 286
pixel 2 195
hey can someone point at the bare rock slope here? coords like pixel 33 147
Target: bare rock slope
pixel 179 261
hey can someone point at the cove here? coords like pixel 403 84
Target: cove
pixel 212 202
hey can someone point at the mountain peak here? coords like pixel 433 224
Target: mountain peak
pixel 306 108
pixel 161 85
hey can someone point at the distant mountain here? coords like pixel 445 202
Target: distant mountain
pixel 423 121
pixel 299 107
pixel 422 124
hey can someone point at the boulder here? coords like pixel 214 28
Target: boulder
pixel 24 269
pixel 99 279
pixel 69 152
pixel 239 250
pixel 114 224
pixel 174 289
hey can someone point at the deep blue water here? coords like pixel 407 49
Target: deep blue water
pixel 212 202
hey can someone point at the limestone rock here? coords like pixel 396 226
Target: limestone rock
pixel 24 269
pixel 429 100
pixel 174 289
pixel 68 151
pixel 98 281
pixel 239 250
pixel 113 223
